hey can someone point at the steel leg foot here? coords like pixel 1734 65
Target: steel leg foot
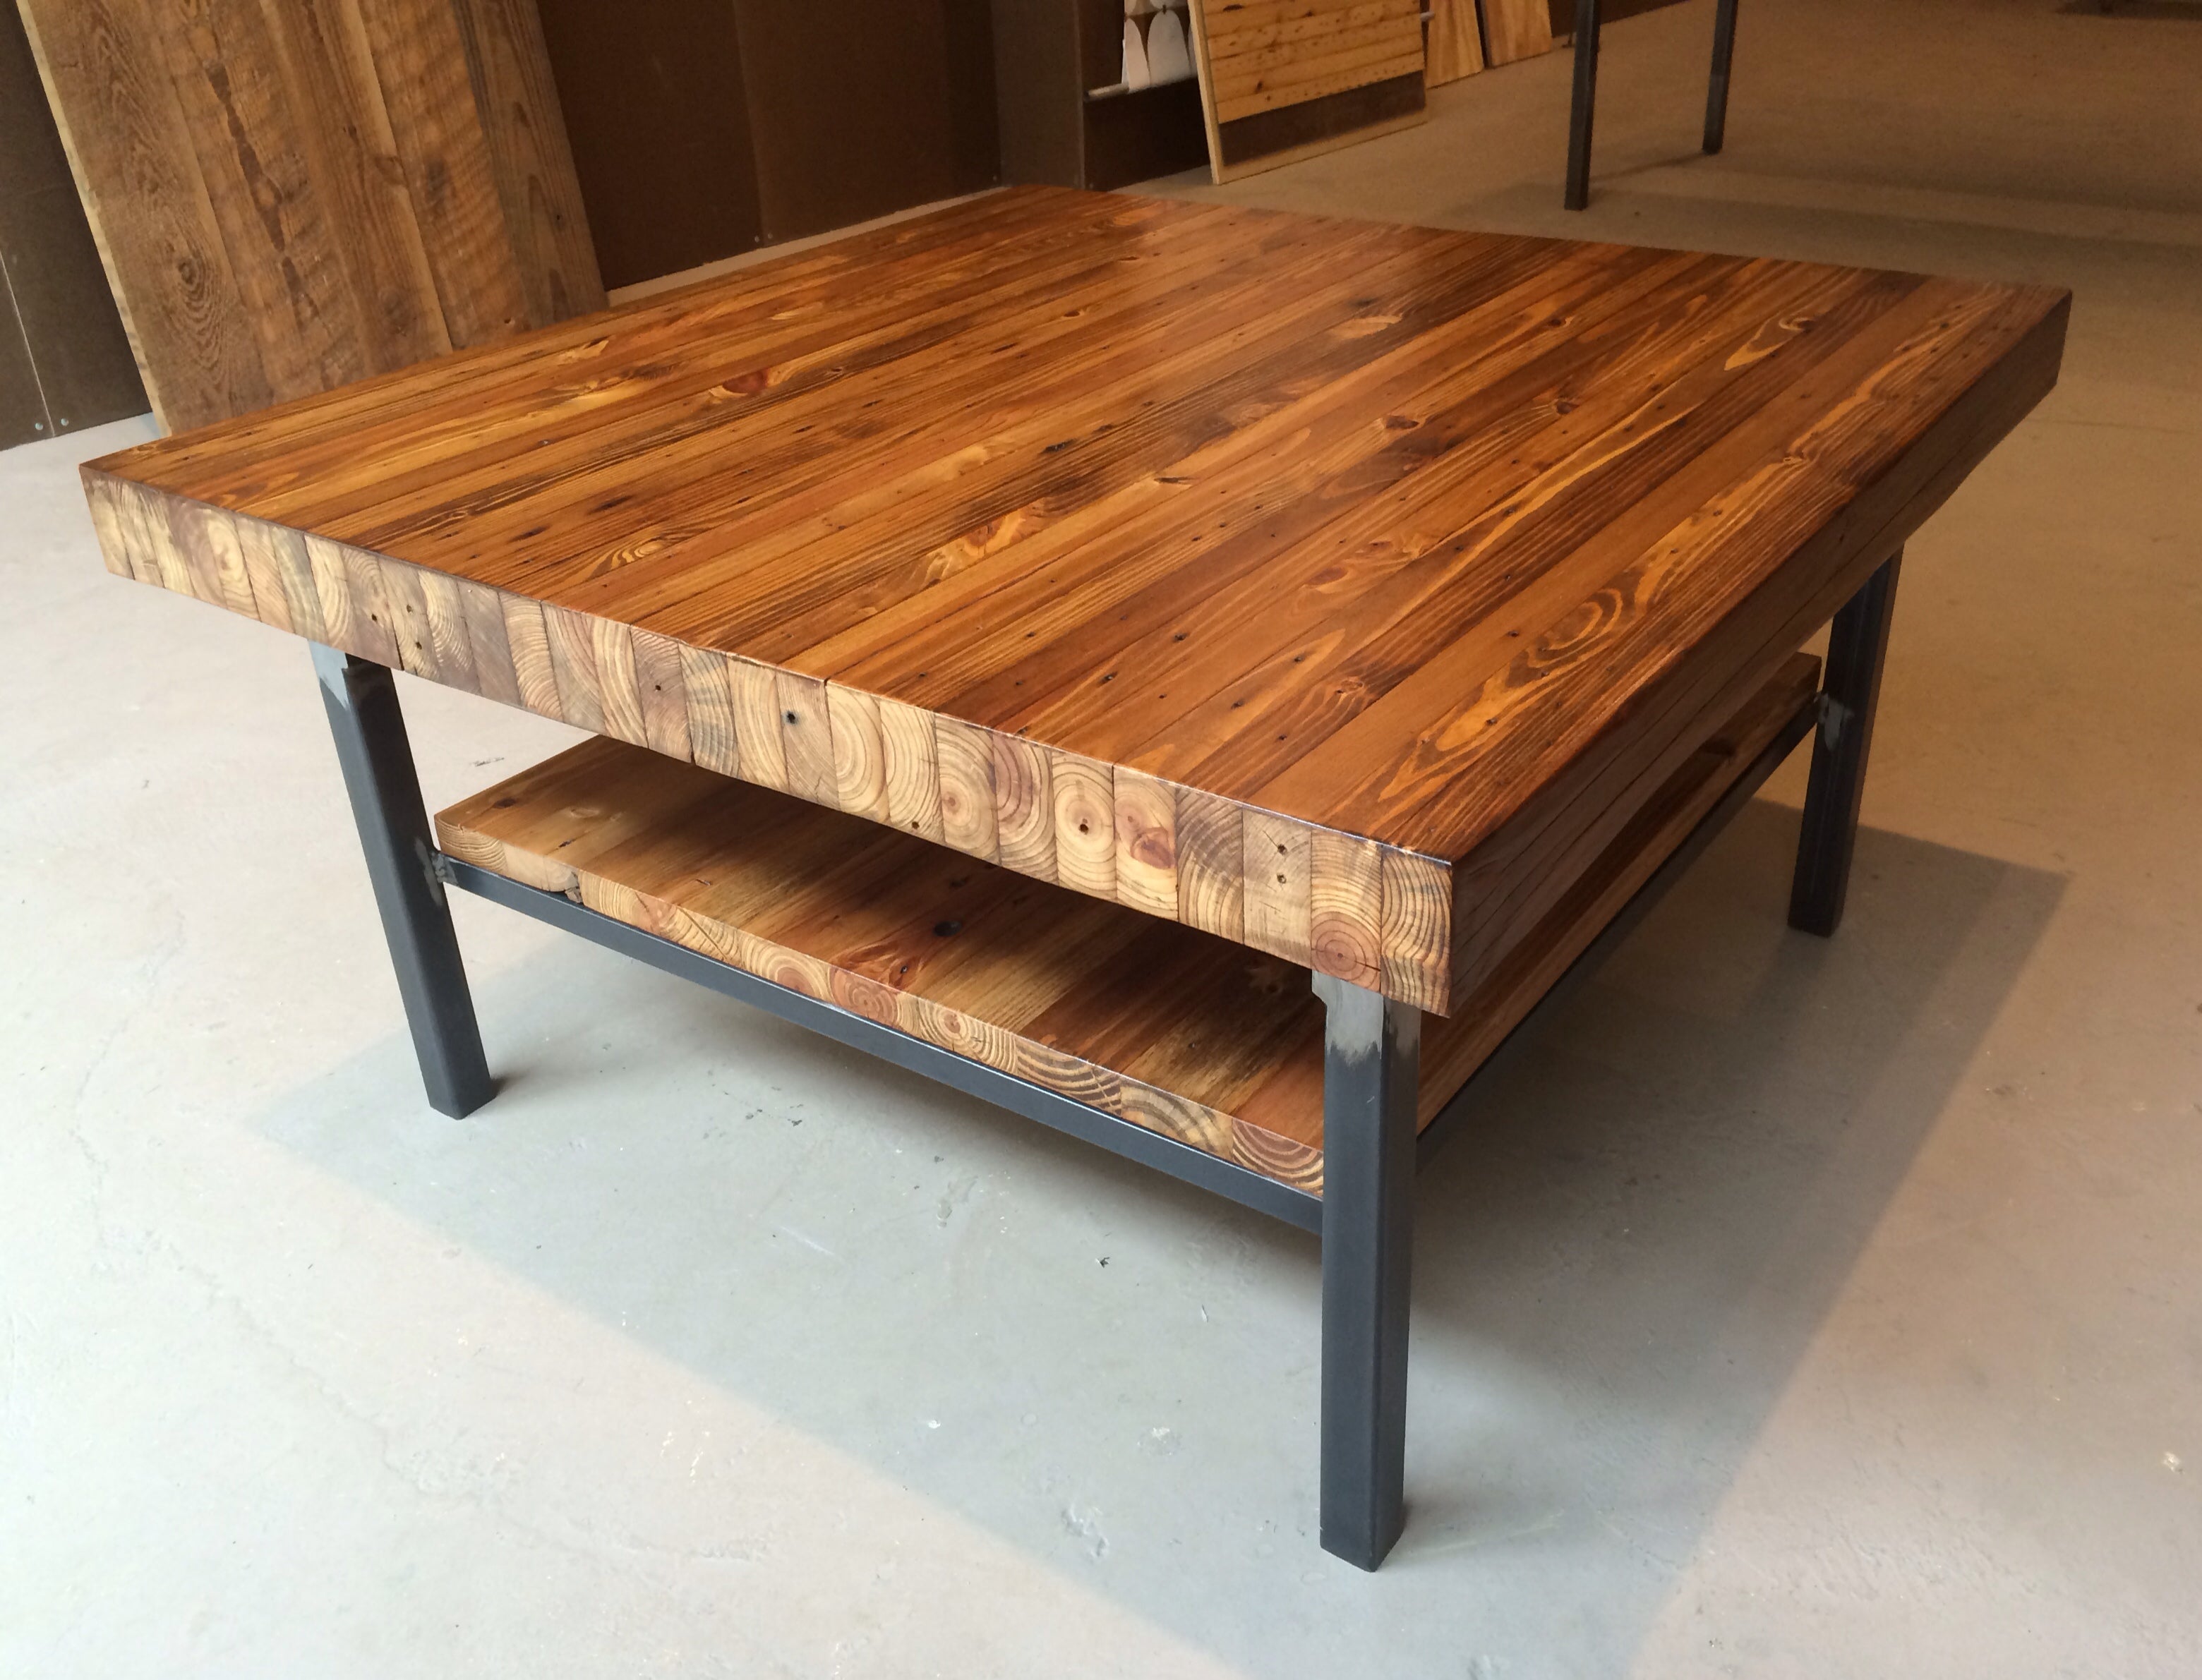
pixel 1368 1091
pixel 1716 90
pixel 1586 105
pixel 377 761
pixel 1855 647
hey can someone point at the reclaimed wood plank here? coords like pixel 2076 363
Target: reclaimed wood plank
pixel 288 198
pixel 1456 42
pixel 1258 62
pixel 662 685
pixel 806 737
pixel 709 697
pixel 1211 867
pixel 619 689
pixel 1024 804
pixel 912 773
pixel 1516 29
pixel 1146 843
pixel 757 723
pixel 528 636
pixel 495 672
pixel 860 762
pixel 1033 979
pixel 1083 797
pixel 965 755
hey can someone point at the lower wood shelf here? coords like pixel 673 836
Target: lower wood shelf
pixel 1199 1039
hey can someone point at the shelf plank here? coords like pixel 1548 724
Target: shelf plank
pixel 1142 1018
pixel 1187 1034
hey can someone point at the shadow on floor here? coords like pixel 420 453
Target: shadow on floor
pixel 1671 1190
pixel 1618 1271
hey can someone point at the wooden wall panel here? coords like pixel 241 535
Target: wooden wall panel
pixel 65 361
pixel 290 196
pixel 1284 79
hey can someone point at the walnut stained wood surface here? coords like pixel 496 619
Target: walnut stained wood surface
pixel 1285 80
pixel 1181 1031
pixel 291 197
pixel 1371 579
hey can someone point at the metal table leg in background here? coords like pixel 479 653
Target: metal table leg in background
pixel 377 761
pixel 1856 645
pixel 1717 90
pixel 1369 1085
pixel 1585 105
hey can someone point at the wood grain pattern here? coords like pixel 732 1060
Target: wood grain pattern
pixel 1455 44
pixel 289 197
pixel 1163 1025
pixel 1283 79
pixel 1124 543
pixel 1026 978
pixel 1516 29
pixel 1146 812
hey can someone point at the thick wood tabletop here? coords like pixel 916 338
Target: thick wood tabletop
pixel 1341 589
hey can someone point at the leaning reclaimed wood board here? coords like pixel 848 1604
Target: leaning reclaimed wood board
pixel 1339 588
pixel 1151 1021
pixel 290 198
pixel 1516 29
pixel 1454 43
pixel 1284 79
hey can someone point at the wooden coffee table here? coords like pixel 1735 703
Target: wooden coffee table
pixel 1027 641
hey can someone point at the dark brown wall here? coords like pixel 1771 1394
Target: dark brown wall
pixel 703 127
pixel 65 363
pixel 861 107
pixel 1563 12
pixel 1037 77
pixel 1048 55
pixel 652 93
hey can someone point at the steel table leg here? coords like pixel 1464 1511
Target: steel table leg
pixel 1856 646
pixel 1368 1089
pixel 377 761
pixel 1717 90
pixel 1585 105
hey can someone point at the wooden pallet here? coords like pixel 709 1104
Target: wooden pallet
pixel 1514 30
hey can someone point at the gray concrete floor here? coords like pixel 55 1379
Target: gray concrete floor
pixel 1799 1308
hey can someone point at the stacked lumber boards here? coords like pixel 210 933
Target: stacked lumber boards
pixel 288 197
pixel 1187 1034
pixel 1285 80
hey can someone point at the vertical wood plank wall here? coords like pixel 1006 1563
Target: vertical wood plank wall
pixel 288 194
pixel 65 361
